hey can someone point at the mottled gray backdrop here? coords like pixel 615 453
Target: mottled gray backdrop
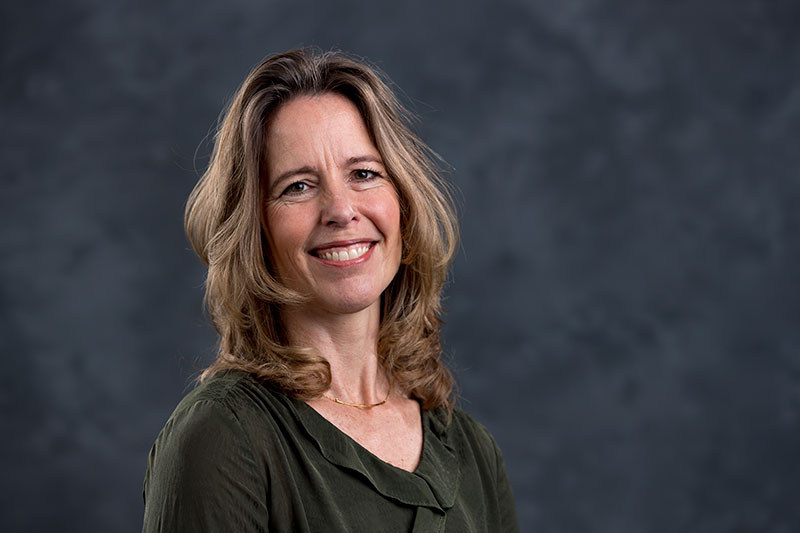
pixel 624 312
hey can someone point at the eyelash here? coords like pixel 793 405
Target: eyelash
pixel 287 190
pixel 373 175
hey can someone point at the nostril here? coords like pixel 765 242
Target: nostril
pixel 338 211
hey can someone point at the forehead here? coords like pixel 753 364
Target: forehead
pixel 311 126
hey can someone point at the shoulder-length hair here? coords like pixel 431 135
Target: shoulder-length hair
pixel 223 222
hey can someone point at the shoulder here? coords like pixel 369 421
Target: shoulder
pixel 203 470
pixel 483 469
pixel 229 389
pixel 212 425
pixel 471 439
pixel 205 418
pixel 233 394
pixel 468 427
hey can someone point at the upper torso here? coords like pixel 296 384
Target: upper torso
pixel 238 456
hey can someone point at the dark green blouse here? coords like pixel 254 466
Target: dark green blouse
pixel 238 456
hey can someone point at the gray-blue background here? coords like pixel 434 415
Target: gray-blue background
pixel 623 315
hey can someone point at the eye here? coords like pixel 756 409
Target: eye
pixel 295 188
pixel 364 174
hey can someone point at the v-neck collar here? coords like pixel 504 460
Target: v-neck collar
pixel 435 481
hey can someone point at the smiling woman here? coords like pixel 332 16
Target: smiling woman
pixel 333 223
pixel 328 234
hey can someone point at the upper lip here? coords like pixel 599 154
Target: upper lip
pixel 341 244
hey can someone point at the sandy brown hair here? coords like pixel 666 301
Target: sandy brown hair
pixel 223 224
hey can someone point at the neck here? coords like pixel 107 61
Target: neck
pixel 349 342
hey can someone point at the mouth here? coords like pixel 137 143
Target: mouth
pixel 343 252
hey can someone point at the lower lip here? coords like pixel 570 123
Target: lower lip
pixel 349 262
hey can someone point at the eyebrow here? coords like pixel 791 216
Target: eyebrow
pixel 363 158
pixel 313 170
pixel 289 173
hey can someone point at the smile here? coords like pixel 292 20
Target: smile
pixel 343 254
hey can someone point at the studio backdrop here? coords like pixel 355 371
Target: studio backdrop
pixel 624 311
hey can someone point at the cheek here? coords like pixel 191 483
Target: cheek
pixel 390 220
pixel 285 237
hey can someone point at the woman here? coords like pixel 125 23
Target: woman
pixel 327 235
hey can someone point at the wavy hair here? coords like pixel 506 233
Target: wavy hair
pixel 223 222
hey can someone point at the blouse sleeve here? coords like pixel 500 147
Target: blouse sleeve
pixel 202 475
pixel 505 496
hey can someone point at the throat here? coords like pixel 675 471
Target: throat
pixel 392 431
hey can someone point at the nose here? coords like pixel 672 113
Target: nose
pixel 338 208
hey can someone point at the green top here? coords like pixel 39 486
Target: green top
pixel 239 456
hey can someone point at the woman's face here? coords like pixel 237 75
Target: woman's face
pixel 332 215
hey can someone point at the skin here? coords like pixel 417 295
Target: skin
pixel 327 190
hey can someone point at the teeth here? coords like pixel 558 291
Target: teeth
pixel 344 255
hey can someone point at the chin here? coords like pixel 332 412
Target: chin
pixel 349 306
pixel 349 301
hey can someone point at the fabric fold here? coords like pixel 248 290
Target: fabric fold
pixel 433 484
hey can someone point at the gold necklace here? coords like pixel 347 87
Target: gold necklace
pixel 361 405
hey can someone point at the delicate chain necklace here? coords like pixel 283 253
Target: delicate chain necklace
pixel 361 405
